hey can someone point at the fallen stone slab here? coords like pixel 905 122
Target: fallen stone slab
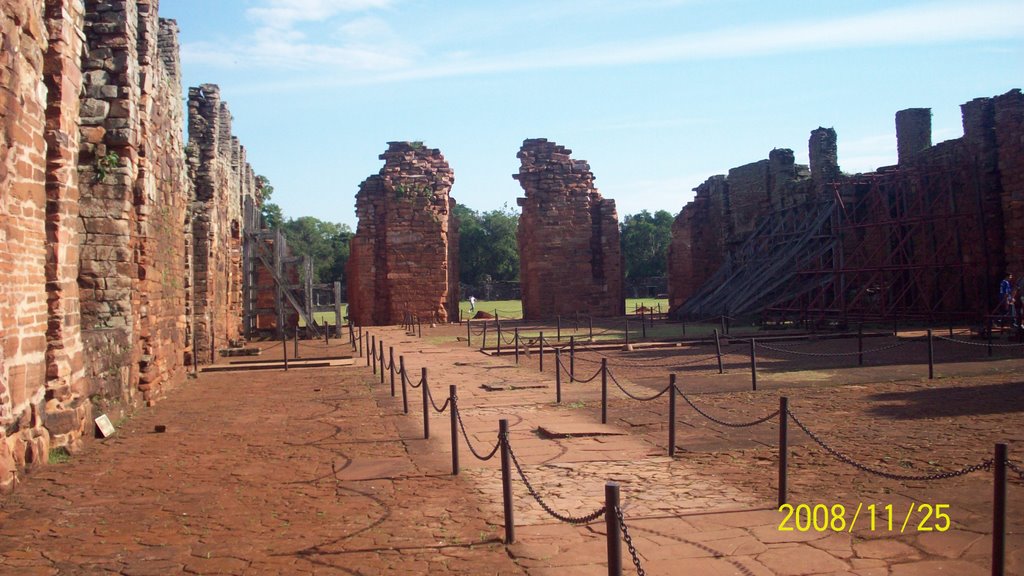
pixel 577 430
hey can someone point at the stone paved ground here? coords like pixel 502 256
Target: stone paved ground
pixel 319 471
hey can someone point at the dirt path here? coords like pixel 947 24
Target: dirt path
pixel 319 471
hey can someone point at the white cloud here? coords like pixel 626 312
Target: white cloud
pixel 382 55
pixel 287 13
pixel 365 43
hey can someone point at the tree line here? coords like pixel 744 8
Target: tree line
pixel 488 250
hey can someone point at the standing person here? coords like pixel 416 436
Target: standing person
pixel 1018 303
pixel 472 304
pixel 1006 299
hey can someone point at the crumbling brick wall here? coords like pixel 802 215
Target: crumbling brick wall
pixel 569 253
pixel 134 198
pixel 95 219
pixel 966 243
pixel 223 181
pixel 404 255
pixel 23 260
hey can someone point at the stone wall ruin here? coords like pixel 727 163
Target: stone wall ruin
pixel 959 205
pixel 404 255
pixel 569 253
pixel 97 212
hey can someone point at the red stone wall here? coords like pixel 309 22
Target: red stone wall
pixel 569 253
pixel 222 182
pixel 23 260
pixel 95 212
pixel 404 254
pixel 68 413
pixel 1009 135
pixel 958 245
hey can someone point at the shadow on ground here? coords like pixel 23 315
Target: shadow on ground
pixel 948 402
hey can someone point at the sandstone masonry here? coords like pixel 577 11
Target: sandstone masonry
pixel 404 255
pixel 968 243
pixel 97 218
pixel 570 259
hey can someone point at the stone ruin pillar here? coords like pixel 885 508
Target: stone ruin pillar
pixel 404 255
pixel 913 132
pixel 569 253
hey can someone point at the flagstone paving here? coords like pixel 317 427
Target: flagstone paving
pixel 319 471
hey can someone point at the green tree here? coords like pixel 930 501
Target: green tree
pixel 487 245
pixel 271 213
pixel 645 238
pixel 325 242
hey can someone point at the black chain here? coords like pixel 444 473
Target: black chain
pixel 1015 468
pixel 407 380
pixel 984 465
pixel 673 363
pixel 458 415
pixel 723 422
pixel 833 354
pixel 629 543
pixel 567 519
pixel 984 344
pixel 639 398
pixel 431 396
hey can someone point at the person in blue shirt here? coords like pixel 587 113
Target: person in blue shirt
pixel 1006 299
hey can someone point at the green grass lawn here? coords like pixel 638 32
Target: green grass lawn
pixel 514 308
pixel 506 309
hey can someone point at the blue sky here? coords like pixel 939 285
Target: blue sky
pixel 657 95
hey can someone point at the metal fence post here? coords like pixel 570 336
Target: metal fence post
pixel 611 518
pixel 931 356
pixel 405 394
pixel 372 352
pixel 380 357
pixel 391 366
pixel 558 376
pixel 517 345
pixel 295 339
pixel 572 358
pixel 718 351
pixel 783 448
pixel 506 482
pixel 604 390
pixel 498 327
pixel 999 512
pixel 558 325
pixel 284 349
pixel 401 372
pixel 671 415
pixel 753 363
pixel 860 345
pixel 426 403
pixel 483 343
pixel 454 417
pixel 541 351
pixel 469 332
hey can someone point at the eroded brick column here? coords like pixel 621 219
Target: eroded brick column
pixel 402 256
pixel 67 415
pixel 1009 128
pixel 108 166
pixel 23 258
pixel 222 182
pixel 569 253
